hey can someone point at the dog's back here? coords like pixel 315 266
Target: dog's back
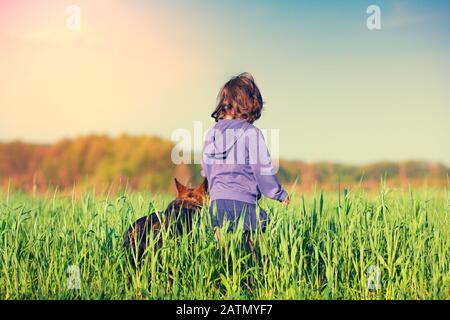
pixel 136 236
pixel 187 203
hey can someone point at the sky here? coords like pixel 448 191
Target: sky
pixel 334 89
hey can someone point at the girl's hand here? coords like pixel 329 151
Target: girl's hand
pixel 285 201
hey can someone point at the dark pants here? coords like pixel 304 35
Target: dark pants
pixel 233 211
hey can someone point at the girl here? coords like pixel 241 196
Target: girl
pixel 236 161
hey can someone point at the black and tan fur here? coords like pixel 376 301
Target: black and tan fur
pixel 188 202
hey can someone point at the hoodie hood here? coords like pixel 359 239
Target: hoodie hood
pixel 223 136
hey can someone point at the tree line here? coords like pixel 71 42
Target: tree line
pixel 144 163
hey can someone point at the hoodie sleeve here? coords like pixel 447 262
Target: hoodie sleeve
pixel 261 164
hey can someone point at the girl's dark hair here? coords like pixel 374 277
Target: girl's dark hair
pixel 240 98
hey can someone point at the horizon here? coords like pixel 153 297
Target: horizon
pixel 348 163
pixel 338 92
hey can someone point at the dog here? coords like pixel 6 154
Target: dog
pixel 188 202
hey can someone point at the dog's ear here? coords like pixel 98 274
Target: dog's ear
pixel 180 188
pixel 203 188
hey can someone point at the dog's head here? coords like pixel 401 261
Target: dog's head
pixel 194 197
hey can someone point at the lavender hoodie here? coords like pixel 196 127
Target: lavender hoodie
pixel 237 164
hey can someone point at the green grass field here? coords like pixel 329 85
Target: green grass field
pixel 322 246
